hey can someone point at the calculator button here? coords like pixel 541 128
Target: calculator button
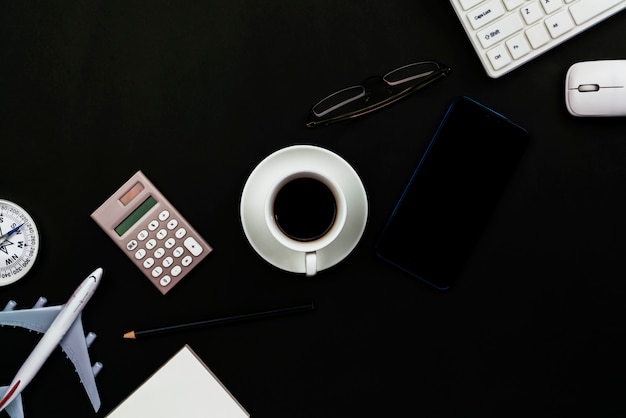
pixel 164 215
pixel 153 225
pixel 176 270
pixel 159 252
pixel 131 245
pixel 157 271
pixel 193 246
pixel 161 234
pixel 180 233
pixel 178 251
pixel 173 223
pixel 168 261
pixel 149 262
pixel 186 260
pixel 142 235
pixel 141 253
pixel 165 280
pixel 151 243
pixel 170 243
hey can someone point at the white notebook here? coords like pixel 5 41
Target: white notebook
pixel 183 387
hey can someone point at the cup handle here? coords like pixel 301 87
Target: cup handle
pixel 310 263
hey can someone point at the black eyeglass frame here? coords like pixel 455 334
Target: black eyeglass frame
pixel 314 120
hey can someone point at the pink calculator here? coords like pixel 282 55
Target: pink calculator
pixel 151 232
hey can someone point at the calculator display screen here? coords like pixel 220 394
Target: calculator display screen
pixel 135 216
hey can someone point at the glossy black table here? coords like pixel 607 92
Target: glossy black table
pixel 195 94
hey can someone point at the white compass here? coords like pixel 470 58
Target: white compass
pixel 19 242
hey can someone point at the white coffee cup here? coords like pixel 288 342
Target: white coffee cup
pixel 288 241
pixel 305 212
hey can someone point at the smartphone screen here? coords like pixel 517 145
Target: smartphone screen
pixel 452 193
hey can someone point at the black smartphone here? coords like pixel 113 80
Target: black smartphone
pixel 452 192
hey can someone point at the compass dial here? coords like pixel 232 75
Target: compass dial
pixel 19 242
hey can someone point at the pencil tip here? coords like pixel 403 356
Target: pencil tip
pixel 130 335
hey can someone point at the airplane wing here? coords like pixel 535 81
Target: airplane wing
pixel 74 344
pixel 15 409
pixel 36 319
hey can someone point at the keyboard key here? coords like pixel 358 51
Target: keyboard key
pixel 499 57
pixel 468 4
pixel 559 24
pixel 486 13
pixel 518 46
pixel 538 36
pixel 532 13
pixel 551 6
pixel 512 4
pixel 588 9
pixel 500 30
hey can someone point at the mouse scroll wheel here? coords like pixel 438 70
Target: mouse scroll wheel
pixel 588 87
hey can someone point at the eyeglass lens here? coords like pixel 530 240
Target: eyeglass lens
pixel 411 72
pixel 338 100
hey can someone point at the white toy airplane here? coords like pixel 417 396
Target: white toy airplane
pixel 61 325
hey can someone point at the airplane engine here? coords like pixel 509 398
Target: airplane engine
pixel 41 302
pixel 10 306
pixel 97 366
pixel 89 339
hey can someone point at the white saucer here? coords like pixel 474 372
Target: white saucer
pixel 281 164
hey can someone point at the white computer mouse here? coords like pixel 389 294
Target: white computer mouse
pixel 596 88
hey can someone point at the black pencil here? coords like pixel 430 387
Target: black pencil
pixel 218 321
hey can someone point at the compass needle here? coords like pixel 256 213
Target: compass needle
pixel 5 237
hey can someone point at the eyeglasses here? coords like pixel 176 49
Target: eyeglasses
pixel 375 93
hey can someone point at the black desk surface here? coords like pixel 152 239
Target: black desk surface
pixel 195 94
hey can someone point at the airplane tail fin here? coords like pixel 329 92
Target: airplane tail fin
pixel 15 408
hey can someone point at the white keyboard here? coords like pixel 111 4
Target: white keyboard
pixel 509 33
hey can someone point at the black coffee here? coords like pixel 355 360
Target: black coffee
pixel 304 209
